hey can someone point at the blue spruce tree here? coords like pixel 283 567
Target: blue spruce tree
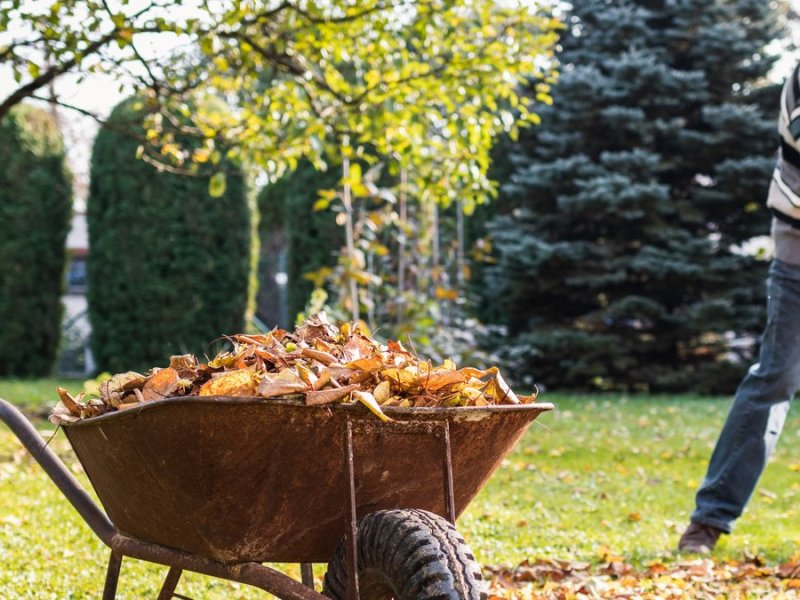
pixel 617 264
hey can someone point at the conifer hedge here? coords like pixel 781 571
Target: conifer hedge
pixel 35 212
pixel 168 264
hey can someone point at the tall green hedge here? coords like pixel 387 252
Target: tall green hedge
pixel 35 212
pixel 168 264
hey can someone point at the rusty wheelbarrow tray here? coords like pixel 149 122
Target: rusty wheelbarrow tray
pixel 220 485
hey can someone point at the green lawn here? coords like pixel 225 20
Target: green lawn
pixel 600 476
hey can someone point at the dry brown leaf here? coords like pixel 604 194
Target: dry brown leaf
pixel 285 382
pixel 69 402
pixel 315 398
pixel 438 379
pixel 243 382
pixel 368 363
pixel 160 385
pixel 319 356
pixel 307 375
pixel 183 362
pixel 323 362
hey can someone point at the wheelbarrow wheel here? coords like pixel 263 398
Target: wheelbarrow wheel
pixel 407 554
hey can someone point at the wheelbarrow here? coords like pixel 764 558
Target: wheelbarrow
pixel 220 486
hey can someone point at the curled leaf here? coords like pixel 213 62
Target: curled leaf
pixel 285 382
pixel 69 402
pixel 368 400
pixel 330 395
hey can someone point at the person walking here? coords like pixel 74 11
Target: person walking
pixel 762 400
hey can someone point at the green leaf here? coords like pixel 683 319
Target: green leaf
pixel 216 185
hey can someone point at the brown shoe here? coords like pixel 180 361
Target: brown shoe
pixel 699 538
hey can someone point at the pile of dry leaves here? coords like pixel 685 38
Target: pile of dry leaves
pixel 700 578
pixel 322 362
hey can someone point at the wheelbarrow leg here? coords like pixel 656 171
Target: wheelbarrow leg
pixel 307 574
pixel 351 533
pixel 170 583
pixel 112 576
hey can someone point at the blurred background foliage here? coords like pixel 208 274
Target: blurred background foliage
pixel 569 191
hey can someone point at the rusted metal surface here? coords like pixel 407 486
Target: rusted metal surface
pixel 241 479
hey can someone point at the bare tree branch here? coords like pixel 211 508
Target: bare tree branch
pixel 50 74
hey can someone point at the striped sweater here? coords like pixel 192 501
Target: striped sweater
pixel 784 189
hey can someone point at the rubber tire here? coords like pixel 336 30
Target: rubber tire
pixel 407 554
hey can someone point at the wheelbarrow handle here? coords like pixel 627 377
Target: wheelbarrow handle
pixel 58 472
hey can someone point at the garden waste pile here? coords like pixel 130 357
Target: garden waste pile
pixel 319 361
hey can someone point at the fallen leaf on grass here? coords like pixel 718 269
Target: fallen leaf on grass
pixel 700 578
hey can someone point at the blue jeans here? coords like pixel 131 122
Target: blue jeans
pixel 759 408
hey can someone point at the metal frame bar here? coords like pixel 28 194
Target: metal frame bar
pixel 307 574
pixel 351 532
pixel 440 429
pixel 112 576
pixel 170 583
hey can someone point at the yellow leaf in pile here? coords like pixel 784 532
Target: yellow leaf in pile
pixel 368 400
pixel 232 383
pixel 285 382
pixel 471 392
pixel 306 374
pixel 403 377
pixel 382 392
pixel 368 363
pixel 221 361
pixel 160 384
pixel 330 395
pixel 449 364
